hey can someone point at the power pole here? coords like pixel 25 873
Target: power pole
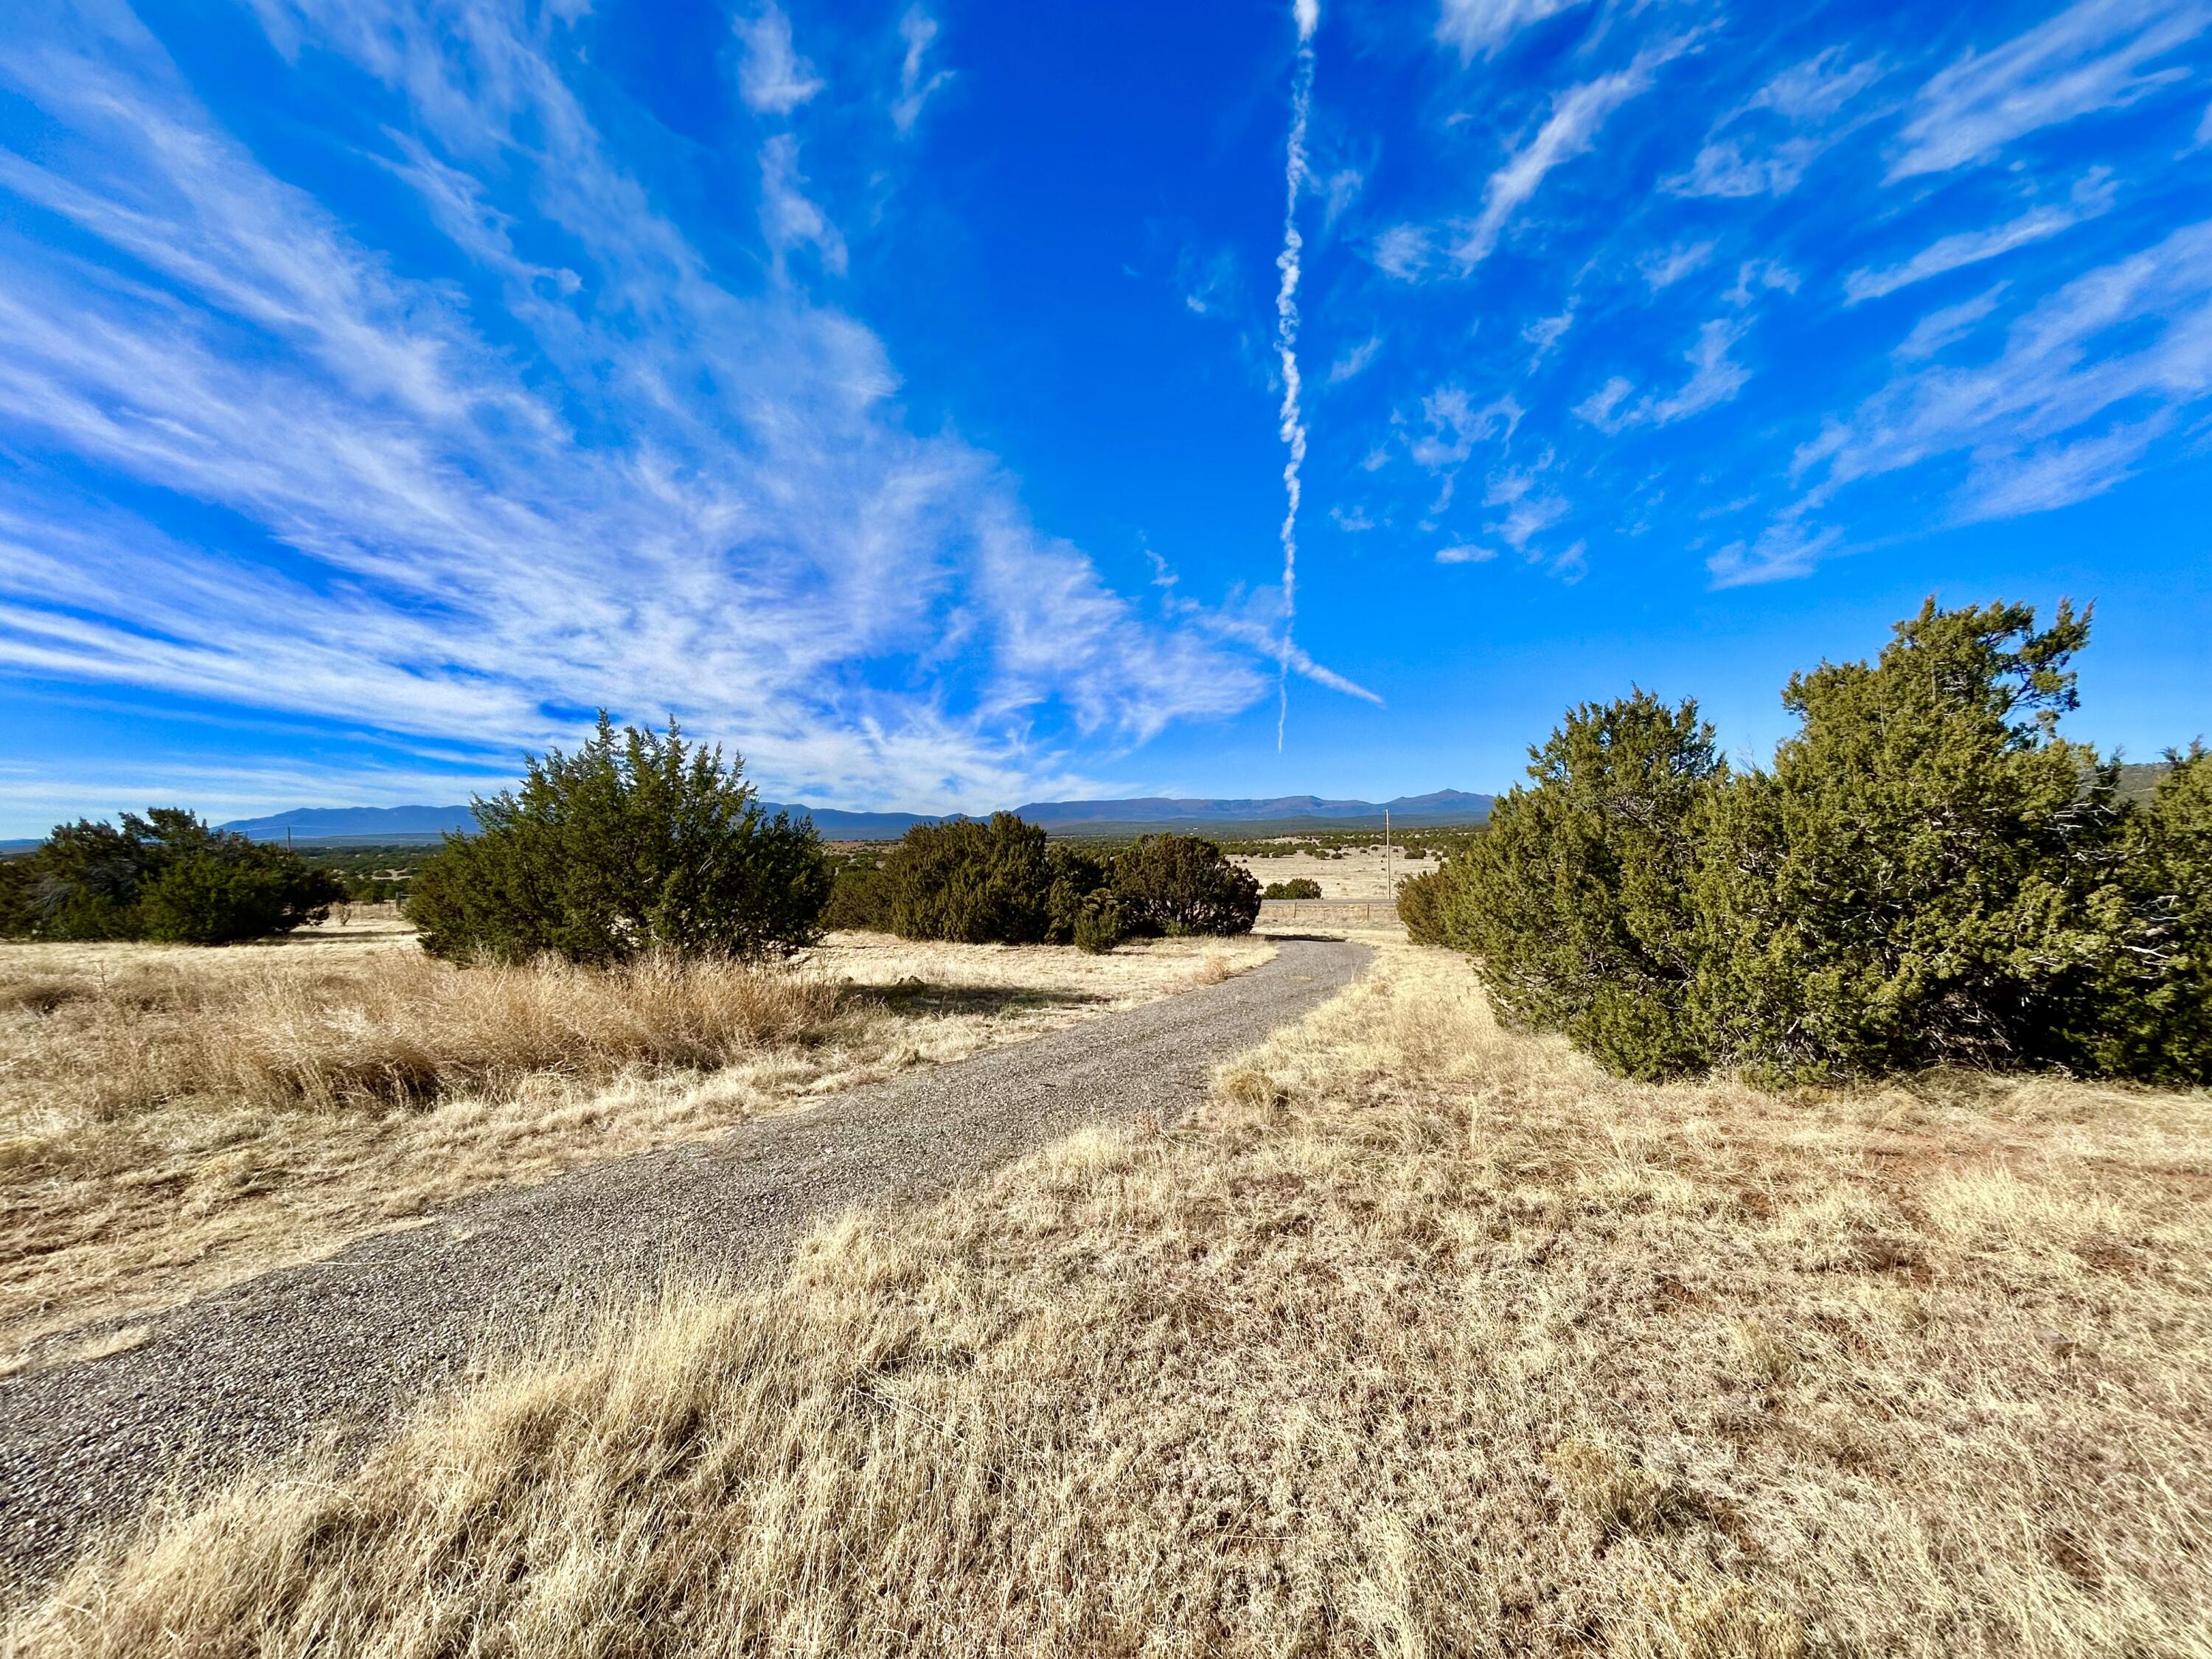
pixel 1389 876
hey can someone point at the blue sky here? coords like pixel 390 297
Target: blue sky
pixel 897 393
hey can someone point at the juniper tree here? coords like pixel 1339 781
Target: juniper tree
pixel 1575 899
pixel 638 842
pixel 1927 874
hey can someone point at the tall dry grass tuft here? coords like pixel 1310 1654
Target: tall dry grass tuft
pixel 1424 1338
pixel 409 1030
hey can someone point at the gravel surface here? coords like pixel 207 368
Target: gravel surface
pixel 252 1370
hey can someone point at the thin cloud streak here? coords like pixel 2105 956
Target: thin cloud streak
pixel 418 539
pixel 1307 15
pixel 2094 56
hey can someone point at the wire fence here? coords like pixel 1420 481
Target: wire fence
pixel 1344 913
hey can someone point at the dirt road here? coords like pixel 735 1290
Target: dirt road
pixel 252 1371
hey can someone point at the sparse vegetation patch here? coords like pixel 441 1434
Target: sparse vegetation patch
pixel 1427 1336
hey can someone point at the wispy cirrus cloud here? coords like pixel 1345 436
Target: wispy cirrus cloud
pixel 1746 154
pixel 1673 253
pixel 1568 131
pixel 1715 377
pixel 1479 28
pixel 2096 55
pixel 772 78
pixel 917 85
pixel 1973 247
pixel 650 490
pixel 2052 419
pixel 1354 362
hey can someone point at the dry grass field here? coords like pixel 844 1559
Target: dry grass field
pixel 1422 1337
pixel 174 1119
pixel 1361 873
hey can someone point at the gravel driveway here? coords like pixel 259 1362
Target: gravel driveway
pixel 252 1371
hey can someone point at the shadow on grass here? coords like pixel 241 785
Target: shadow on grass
pixel 913 996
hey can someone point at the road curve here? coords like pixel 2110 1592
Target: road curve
pixel 253 1370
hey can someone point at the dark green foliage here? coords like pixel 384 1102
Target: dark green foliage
pixel 1298 887
pixel 972 881
pixel 1100 924
pixel 1001 881
pixel 1420 907
pixel 1176 884
pixel 859 902
pixel 2156 997
pixel 1081 907
pixel 1924 876
pixel 1928 875
pixel 1575 899
pixel 635 843
pixel 165 876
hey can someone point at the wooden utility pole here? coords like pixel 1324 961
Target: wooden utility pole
pixel 1389 876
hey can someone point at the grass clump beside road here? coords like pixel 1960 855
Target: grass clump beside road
pixel 172 1119
pixel 1423 1336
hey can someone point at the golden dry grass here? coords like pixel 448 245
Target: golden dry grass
pixel 1359 874
pixel 1423 1339
pixel 174 1119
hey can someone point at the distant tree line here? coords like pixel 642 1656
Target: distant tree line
pixel 166 877
pixel 1928 874
pixel 638 843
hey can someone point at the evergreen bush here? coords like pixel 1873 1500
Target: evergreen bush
pixel 635 844
pixel 1099 923
pixel 1926 875
pixel 1298 887
pixel 1420 907
pixel 972 881
pixel 1079 905
pixel 859 902
pixel 1576 897
pixel 2153 1002
pixel 166 877
pixel 1178 884
pixel 1929 874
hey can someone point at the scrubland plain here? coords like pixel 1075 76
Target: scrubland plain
pixel 1361 873
pixel 1421 1337
pixel 173 1118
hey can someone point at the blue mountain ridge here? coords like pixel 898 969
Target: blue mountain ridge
pixel 1441 808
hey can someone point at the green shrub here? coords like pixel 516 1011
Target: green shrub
pixel 2153 1003
pixel 1420 907
pixel 165 876
pixel 1926 875
pixel 972 881
pixel 1298 887
pixel 859 902
pixel 634 844
pixel 1001 881
pixel 1575 899
pixel 1177 884
pixel 1100 924
pixel 1079 905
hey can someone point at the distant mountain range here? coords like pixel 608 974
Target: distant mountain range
pixel 373 824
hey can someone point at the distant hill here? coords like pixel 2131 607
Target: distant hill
pixel 1443 807
pixel 1285 814
pixel 360 824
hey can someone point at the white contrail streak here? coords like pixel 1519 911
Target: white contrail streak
pixel 1307 13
